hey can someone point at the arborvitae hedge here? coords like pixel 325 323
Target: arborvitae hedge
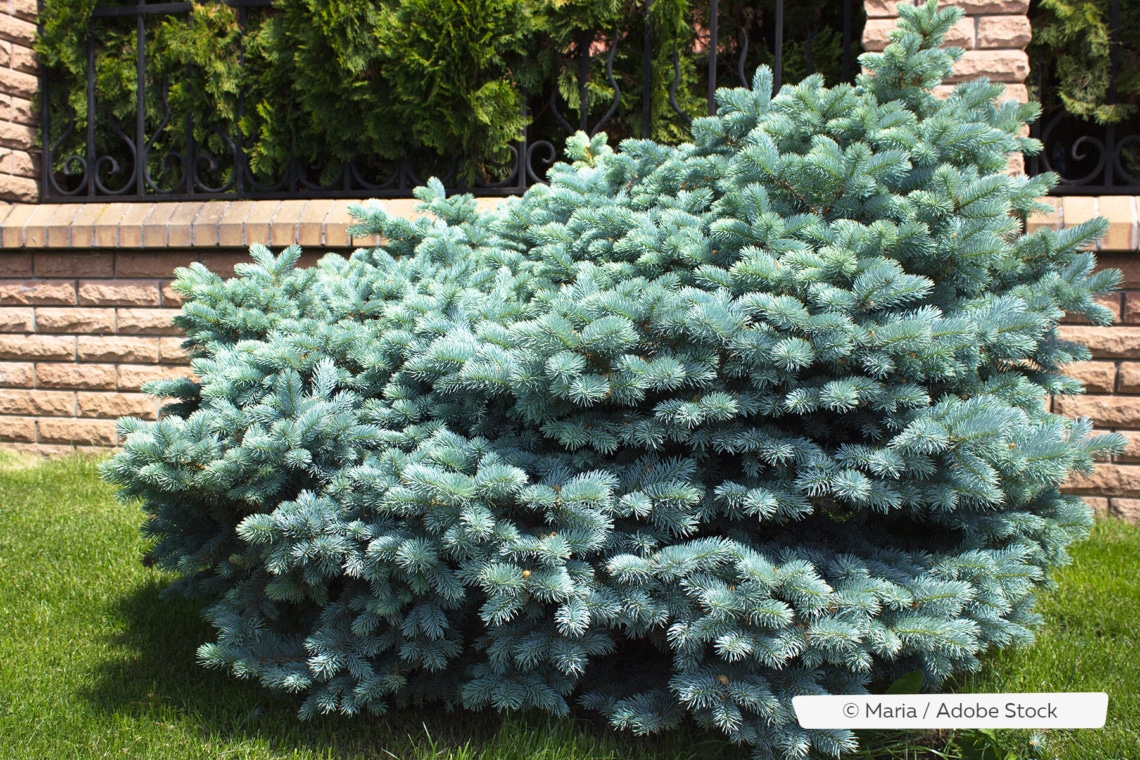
pixel 689 432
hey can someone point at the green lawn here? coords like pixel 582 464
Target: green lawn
pixel 94 665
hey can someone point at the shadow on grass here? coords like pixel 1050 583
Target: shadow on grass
pixel 153 676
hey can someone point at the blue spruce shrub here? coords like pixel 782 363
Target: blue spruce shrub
pixel 690 431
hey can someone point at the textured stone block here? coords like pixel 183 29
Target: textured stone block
pixel 37 403
pixel 1105 411
pixel 17 30
pixel 148 322
pixel 1111 480
pixel 118 292
pixel 1131 307
pixel 117 348
pixel 37 293
pixel 1128 377
pixel 1004 32
pixel 1126 509
pixel 1117 342
pixel 170 351
pixel 18 429
pixel 114 405
pixel 1098 377
pixel 87 432
pixel 16 319
pixel 76 376
pixel 132 376
pixel 17 374
pixel 74 320
pixel 1131 453
pixel 37 347
pixel 997 65
pixel 170 296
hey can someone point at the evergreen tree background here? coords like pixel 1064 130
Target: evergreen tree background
pixel 689 432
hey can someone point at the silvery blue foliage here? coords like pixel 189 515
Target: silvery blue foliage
pixel 690 431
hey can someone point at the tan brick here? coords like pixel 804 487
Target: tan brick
pixel 170 351
pixel 283 228
pixel 151 264
pixel 1120 210
pixel 13 227
pixel 1116 342
pixel 35 228
pixel 19 110
pixel 17 30
pixel 20 163
pixel 105 228
pixel 1107 480
pixel 257 223
pixel 1099 505
pixel 24 59
pixel 205 229
pixel 17 374
pixel 888 8
pixel 311 222
pixel 1128 378
pixel 1105 411
pixel 118 292
pixel 16 319
pixel 132 376
pixel 231 225
pixel 74 264
pixel 170 296
pixel 37 292
pixel 25 9
pixel 37 347
pixel 90 432
pixel 131 224
pixel 1126 509
pixel 997 65
pixel 15 263
pixel 1004 32
pixel 74 320
pixel 180 227
pixel 19 189
pixel 37 403
pixel 154 229
pixel 80 376
pixel 148 322
pixel 17 136
pixel 18 429
pixel 83 230
pixel 1078 209
pixel 337 223
pixel 1098 377
pixel 114 405
pixel 222 262
pixel 57 231
pixel 117 348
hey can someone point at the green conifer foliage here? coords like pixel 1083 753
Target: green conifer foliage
pixel 689 432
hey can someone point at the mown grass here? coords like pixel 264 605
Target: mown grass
pixel 93 664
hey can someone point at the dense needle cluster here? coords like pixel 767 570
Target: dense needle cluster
pixel 691 431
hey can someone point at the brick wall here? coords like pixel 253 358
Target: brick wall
pixel 19 159
pixel 86 303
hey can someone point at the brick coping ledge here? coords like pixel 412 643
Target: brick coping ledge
pixel 320 223
pixel 323 223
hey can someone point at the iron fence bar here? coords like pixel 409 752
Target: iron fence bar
pixel 140 103
pixel 846 40
pixel 167 8
pixel 778 67
pixel 647 73
pixel 714 12
pixel 92 172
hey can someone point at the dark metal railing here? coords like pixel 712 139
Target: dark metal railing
pixel 187 169
pixel 1091 159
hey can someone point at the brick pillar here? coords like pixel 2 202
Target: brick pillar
pixel 19 158
pixel 994 34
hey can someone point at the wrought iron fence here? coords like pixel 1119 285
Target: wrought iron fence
pixel 188 169
pixel 1091 158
